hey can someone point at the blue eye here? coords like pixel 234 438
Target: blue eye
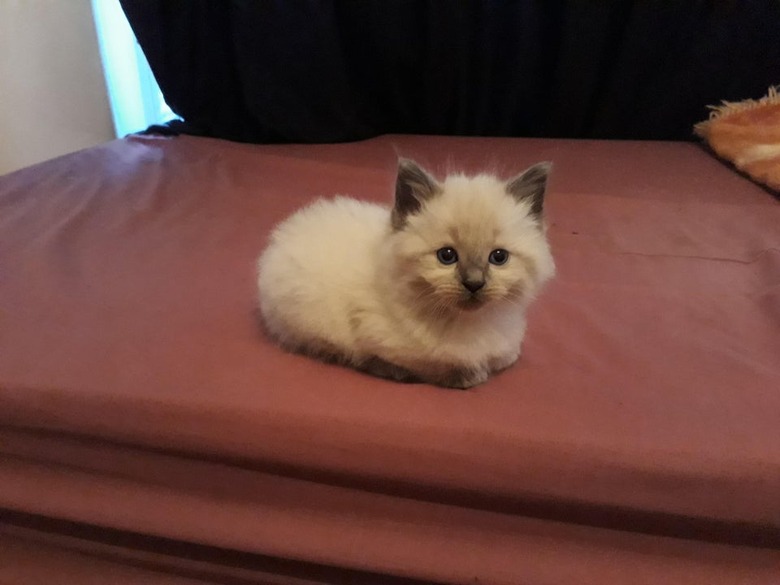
pixel 498 257
pixel 447 255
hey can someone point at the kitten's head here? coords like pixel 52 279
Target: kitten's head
pixel 469 242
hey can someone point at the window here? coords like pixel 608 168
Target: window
pixel 136 99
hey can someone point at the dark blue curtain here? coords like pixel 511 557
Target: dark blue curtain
pixel 325 71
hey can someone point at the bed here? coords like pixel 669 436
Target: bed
pixel 150 433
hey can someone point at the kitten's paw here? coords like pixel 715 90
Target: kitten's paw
pixel 502 362
pixel 462 378
pixel 382 369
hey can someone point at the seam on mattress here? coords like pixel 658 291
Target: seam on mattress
pixel 755 258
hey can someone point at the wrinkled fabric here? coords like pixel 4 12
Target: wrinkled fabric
pixel 143 410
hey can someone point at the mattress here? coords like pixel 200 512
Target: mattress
pixel 150 431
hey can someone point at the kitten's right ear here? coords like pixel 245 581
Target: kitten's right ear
pixel 413 187
pixel 530 186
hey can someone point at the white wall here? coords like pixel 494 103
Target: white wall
pixel 53 96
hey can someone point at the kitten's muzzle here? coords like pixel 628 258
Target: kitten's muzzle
pixel 473 285
pixel 471 301
pixel 472 276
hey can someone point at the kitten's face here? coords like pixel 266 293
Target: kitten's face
pixel 471 242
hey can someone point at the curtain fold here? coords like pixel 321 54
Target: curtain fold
pixel 329 71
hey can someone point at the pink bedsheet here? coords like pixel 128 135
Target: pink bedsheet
pixel 146 422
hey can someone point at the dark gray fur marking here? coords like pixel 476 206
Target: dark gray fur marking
pixel 376 366
pixel 462 378
pixel 413 187
pixel 530 186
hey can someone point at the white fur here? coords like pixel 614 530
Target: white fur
pixel 337 280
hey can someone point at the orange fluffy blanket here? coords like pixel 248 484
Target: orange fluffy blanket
pixel 747 133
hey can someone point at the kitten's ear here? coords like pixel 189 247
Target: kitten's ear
pixel 413 187
pixel 530 186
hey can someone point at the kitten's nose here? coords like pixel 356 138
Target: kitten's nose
pixel 473 285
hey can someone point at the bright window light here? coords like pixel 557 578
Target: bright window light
pixel 136 99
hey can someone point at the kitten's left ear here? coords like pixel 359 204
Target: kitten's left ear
pixel 413 187
pixel 530 186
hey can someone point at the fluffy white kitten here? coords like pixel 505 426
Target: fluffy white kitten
pixel 434 289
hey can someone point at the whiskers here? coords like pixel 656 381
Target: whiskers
pixel 517 296
pixel 438 302
pixel 448 301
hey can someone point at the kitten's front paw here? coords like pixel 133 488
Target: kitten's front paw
pixel 502 362
pixel 464 378
pixel 376 366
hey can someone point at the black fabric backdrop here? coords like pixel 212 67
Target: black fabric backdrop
pixel 326 71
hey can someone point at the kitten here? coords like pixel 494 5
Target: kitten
pixel 434 289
